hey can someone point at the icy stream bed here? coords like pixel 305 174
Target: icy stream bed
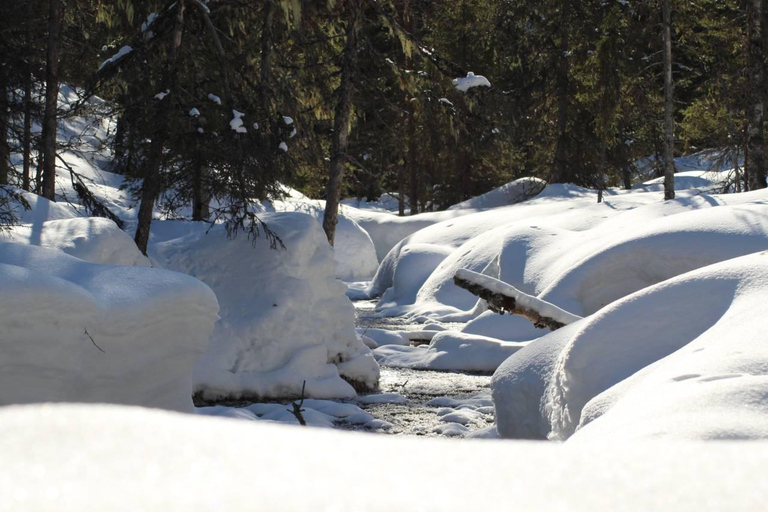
pixel 424 402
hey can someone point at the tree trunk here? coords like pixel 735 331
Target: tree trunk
pixel 559 171
pixel 152 184
pixel 201 199
pixel 27 136
pixel 669 122
pixel 410 121
pixel 755 167
pixel 265 71
pixel 5 149
pixel 341 119
pixel 51 100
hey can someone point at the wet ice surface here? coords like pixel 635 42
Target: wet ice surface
pixel 424 402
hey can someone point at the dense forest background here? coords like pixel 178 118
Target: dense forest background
pixel 219 101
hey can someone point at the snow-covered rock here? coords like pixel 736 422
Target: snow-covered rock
pixel 91 239
pixel 689 349
pixel 81 332
pixel 284 318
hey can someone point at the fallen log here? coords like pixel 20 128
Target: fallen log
pixel 505 298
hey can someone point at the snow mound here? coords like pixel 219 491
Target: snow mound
pixel 450 350
pixel 284 318
pixel 505 195
pixel 689 349
pixel 88 238
pixel 96 458
pixel 80 332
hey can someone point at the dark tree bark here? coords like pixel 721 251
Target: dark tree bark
pixel 5 149
pixel 152 184
pixel 27 135
pixel 410 121
pixel 51 100
pixel 669 122
pixel 265 71
pixel 560 172
pixel 341 119
pixel 755 167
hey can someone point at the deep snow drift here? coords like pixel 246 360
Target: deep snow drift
pixel 284 318
pixel 82 332
pixel 690 349
pixel 95 458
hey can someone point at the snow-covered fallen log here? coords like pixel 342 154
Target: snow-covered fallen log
pixel 505 298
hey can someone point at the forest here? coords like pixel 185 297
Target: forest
pixel 383 255
pixel 223 100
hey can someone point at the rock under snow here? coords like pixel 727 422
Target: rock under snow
pixel 284 317
pixel 81 332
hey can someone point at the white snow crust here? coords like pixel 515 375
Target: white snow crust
pixel 471 80
pixel 83 332
pixel 96 458
pixel 284 318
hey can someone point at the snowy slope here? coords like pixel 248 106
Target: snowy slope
pixel 96 458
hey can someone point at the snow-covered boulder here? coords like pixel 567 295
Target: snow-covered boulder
pixel 284 317
pixel 88 238
pixel 80 332
pixel 689 348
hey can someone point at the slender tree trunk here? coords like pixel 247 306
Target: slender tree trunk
pixel 559 170
pixel 755 167
pixel 5 149
pixel 200 197
pixel 401 190
pixel 27 136
pixel 341 120
pixel 152 184
pixel 410 121
pixel 51 100
pixel 669 122
pixel 265 93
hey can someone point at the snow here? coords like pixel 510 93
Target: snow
pixel 509 193
pixel 214 98
pixel 237 122
pixel 122 52
pixel 93 458
pixel 193 112
pixel 471 80
pixel 450 350
pixel 150 19
pixel 162 94
pixel 83 332
pixel 283 147
pixel 90 239
pixel 681 359
pixel 287 120
pixel 284 318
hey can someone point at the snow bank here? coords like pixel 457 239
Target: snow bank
pixel 450 350
pixel 95 458
pixel 713 383
pixel 578 255
pixel 689 349
pixel 284 318
pixel 77 331
pixel 505 195
pixel 88 238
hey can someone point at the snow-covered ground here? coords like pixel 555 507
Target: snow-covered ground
pixel 664 340
pixel 95 458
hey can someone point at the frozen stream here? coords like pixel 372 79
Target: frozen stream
pixel 435 403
